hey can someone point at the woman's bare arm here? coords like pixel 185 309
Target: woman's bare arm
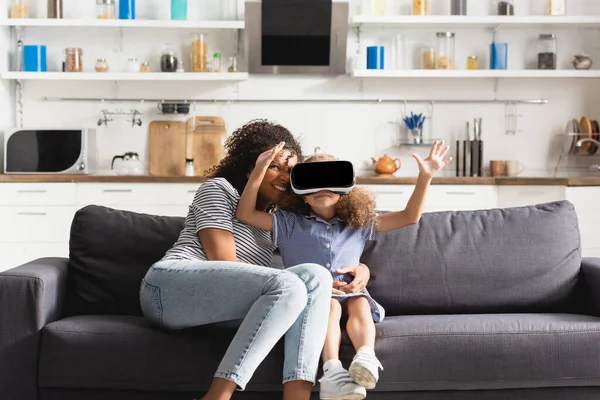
pixel 218 244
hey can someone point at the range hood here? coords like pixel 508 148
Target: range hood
pixel 296 36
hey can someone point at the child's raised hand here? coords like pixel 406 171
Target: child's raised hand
pixel 265 159
pixel 435 161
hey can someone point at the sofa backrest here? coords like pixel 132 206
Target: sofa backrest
pixel 110 252
pixel 523 259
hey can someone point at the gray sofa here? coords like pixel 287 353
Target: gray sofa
pixel 494 304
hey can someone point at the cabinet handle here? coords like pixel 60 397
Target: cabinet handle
pixel 31 191
pixel 191 191
pixel 32 213
pixel 532 193
pixel 117 190
pixel 467 193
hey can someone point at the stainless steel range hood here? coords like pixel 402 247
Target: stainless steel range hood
pixel 296 36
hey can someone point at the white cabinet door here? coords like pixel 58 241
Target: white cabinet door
pixel 135 194
pixel 37 194
pixel 587 205
pixel 14 254
pixel 518 196
pixel 390 197
pixel 47 224
pixel 461 198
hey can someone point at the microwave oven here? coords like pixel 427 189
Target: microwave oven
pixel 50 151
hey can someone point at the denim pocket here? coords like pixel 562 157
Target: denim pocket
pixel 151 303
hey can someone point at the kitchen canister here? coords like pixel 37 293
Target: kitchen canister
pixel 375 57
pixel 179 10
pixel 458 7
pixel 126 9
pixel 499 56
pixel 34 58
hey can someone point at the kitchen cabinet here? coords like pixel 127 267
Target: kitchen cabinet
pixel 587 205
pixel 519 195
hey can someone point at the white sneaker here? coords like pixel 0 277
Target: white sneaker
pixel 339 385
pixel 365 369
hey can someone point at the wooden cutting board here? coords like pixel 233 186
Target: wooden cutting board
pixel 166 148
pixel 205 142
pixel 170 143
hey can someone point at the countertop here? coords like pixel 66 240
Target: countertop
pixel 363 180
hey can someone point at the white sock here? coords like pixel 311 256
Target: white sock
pixel 331 365
pixel 366 350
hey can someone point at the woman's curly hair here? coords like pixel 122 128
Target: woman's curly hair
pixel 245 144
pixel 356 209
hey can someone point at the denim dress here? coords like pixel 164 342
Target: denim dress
pixel 332 244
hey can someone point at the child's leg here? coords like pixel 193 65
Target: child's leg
pixel 336 382
pixel 360 326
pixel 361 329
pixel 331 350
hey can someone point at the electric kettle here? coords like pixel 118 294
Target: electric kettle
pixel 130 164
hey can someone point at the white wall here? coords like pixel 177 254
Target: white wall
pixel 351 131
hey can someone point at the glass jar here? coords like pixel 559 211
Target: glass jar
pixel 19 9
pixel 445 50
pixel 133 65
pixel 472 63
pixel 74 60
pixel 105 9
pixel 199 53
pixel 145 67
pixel 420 7
pixel 217 62
pixel 547 46
pixel 506 7
pixel 101 65
pixel 168 61
pixel 557 7
pixel 428 58
pixel 233 65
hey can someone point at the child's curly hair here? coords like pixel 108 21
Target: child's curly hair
pixel 356 209
pixel 244 146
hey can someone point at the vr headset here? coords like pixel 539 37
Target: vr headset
pixel 335 176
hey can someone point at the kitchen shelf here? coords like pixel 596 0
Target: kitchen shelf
pixel 121 23
pixel 425 73
pixel 476 22
pixel 124 76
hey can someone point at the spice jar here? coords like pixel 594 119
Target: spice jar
pixel 19 9
pixel 145 67
pixel 420 7
pixel 445 50
pixel 217 62
pixel 557 7
pixel 428 58
pixel 168 61
pixel 74 60
pixel 506 7
pixel 199 53
pixel 472 62
pixel 233 65
pixel 101 65
pixel 105 9
pixel 547 51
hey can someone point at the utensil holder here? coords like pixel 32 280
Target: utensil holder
pixel 416 135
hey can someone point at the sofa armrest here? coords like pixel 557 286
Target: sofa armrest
pixel 31 296
pixel 590 272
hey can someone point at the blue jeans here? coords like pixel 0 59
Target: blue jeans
pixel 179 294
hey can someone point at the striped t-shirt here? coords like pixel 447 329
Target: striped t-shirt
pixel 214 206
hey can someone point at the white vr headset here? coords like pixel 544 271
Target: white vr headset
pixel 335 176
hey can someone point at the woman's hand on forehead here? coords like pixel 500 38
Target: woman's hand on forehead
pixel 286 158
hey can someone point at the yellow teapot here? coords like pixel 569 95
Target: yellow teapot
pixel 386 165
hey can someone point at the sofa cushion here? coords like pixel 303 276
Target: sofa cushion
pixel 110 252
pixel 440 352
pixel 125 352
pixel 523 259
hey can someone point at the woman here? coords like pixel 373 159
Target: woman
pixel 218 271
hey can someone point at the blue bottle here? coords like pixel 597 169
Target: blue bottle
pixel 499 56
pixel 179 10
pixel 126 9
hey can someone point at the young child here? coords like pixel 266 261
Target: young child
pixel 331 230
